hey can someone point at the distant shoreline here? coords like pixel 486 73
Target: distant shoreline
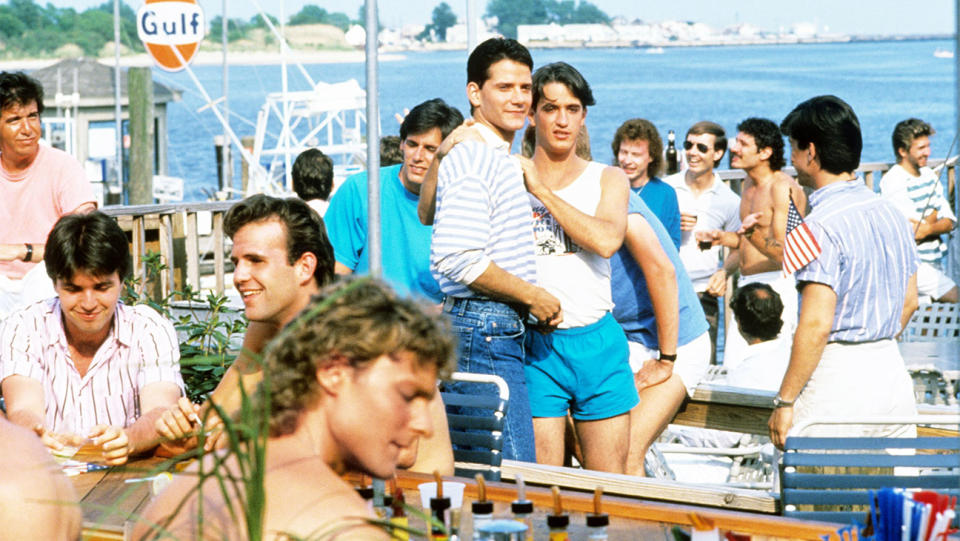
pixel 209 58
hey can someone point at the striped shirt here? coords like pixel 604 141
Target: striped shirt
pixel 483 216
pixel 917 197
pixel 140 349
pixel 868 257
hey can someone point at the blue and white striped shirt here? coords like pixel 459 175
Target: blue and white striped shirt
pixel 868 257
pixel 917 197
pixel 483 215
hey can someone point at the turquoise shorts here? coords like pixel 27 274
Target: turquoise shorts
pixel 585 370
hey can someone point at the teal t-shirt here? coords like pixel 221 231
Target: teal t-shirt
pixel 405 241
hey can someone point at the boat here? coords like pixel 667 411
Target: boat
pixel 940 52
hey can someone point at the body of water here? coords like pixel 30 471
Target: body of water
pixel 885 82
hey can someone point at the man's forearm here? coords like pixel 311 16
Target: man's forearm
pixel 600 236
pixel 499 284
pixel 24 418
pixel 18 252
pixel 732 262
pixel 141 435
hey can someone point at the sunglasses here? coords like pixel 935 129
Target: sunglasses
pixel 687 145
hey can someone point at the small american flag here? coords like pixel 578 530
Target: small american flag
pixel 800 248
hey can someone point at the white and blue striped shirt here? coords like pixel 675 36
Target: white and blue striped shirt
pixel 868 257
pixel 917 197
pixel 483 215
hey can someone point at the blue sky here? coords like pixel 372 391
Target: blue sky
pixel 853 17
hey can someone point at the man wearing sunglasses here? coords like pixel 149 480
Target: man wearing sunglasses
pixel 706 204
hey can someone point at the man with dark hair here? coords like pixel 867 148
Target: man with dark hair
pixel 350 383
pixel 916 191
pixel 313 178
pixel 38 185
pixel 406 259
pixel 856 295
pixel 580 216
pixel 82 367
pixel 706 204
pixel 482 244
pixel 281 257
pixel 638 150
pixel 766 195
pixel 758 312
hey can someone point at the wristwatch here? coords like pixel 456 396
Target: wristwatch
pixel 779 402
pixel 29 254
pixel 669 357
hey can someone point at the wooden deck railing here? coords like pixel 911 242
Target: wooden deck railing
pixel 172 229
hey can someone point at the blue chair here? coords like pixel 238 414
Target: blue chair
pixel 476 426
pixel 931 463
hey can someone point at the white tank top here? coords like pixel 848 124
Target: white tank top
pixel 579 278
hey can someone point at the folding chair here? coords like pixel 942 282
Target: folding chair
pixel 842 495
pixel 476 424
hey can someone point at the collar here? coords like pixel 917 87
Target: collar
pixel 714 186
pixel 119 330
pixel 491 138
pixel 833 188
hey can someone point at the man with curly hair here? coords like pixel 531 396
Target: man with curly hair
pixel 348 385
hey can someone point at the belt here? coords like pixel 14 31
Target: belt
pixel 469 304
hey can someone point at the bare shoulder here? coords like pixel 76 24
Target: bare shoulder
pixel 318 506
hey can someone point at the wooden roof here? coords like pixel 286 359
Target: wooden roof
pixel 94 83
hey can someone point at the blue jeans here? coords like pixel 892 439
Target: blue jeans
pixel 490 335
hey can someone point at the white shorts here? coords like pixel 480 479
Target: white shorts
pixel 692 362
pixel 932 282
pixel 734 346
pixel 858 380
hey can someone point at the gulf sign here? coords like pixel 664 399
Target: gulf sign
pixel 166 25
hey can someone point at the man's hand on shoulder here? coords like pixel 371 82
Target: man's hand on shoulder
pixel 530 179
pixel 463 132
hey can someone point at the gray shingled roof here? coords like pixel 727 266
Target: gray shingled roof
pixel 94 81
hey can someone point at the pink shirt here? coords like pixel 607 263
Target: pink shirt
pixel 32 201
pixel 141 349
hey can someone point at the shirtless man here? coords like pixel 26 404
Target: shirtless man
pixel 349 384
pixel 764 203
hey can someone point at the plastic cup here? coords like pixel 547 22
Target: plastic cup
pixel 451 489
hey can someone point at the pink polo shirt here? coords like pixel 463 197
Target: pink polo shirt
pixel 32 201
pixel 141 349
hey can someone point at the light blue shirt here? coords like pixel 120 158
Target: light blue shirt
pixel 633 308
pixel 483 215
pixel 406 242
pixel 868 256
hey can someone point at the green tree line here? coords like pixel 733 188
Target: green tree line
pixel 510 13
pixel 30 29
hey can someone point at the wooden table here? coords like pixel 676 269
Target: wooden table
pixel 108 503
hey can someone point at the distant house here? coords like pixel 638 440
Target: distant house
pixel 79 92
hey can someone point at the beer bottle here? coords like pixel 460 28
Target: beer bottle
pixel 671 153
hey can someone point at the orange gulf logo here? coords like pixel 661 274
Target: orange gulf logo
pixel 163 25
